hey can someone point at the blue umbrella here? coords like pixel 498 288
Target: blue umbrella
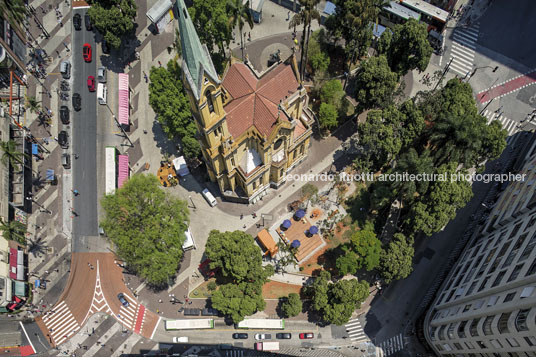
pixel 313 230
pixel 286 224
pixel 300 214
pixel 295 244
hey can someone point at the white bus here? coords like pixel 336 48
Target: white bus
pixel 189 324
pixel 110 170
pixel 262 324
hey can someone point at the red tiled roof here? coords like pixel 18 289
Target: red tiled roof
pixel 255 101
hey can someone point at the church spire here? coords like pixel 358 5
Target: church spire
pixel 196 61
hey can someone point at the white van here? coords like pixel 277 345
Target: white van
pixel 183 339
pixel 101 93
pixel 210 199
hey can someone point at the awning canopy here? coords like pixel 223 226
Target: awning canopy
pixel 122 175
pixel 11 306
pixel 123 111
pixel 266 239
pixel 313 230
pixel 13 256
pixel 295 243
pixel 35 149
pixel 180 166
pixel 286 224
pixel 329 9
pixel 300 214
pixel 158 10
pixel 50 175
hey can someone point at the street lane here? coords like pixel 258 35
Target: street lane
pixel 84 141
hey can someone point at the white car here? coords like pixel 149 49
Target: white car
pixel 180 339
pixel 260 336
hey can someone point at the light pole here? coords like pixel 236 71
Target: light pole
pixel 37 203
pixel 119 125
pixel 193 204
pixel 477 68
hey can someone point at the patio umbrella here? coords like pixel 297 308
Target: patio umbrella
pixel 313 230
pixel 300 214
pixel 295 243
pixel 286 224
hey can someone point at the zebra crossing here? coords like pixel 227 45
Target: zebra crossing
pixel 355 330
pixel 392 345
pixel 510 125
pixel 462 53
pixel 61 323
pixel 128 314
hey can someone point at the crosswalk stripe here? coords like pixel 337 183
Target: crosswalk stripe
pixel 353 324
pixel 464 36
pixel 458 69
pixel 462 53
pixel 471 34
pixel 464 42
pixel 461 60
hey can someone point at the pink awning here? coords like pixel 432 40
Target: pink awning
pixel 13 263
pixel 123 111
pixel 122 175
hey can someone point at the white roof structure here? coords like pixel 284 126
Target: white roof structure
pixel 427 9
pixel 250 161
pixel 189 242
pixel 180 166
pixel 158 10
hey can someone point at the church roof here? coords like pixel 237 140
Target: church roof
pixel 254 101
pixel 196 58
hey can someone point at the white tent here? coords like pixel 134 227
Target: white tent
pixel 180 166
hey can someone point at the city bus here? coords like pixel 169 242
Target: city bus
pixel 262 324
pixel 110 170
pixel 435 17
pixel 189 324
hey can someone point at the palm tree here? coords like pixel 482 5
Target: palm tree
pixel 13 9
pixel 33 105
pixel 305 17
pixel 37 247
pixel 413 163
pixel 11 156
pixel 239 14
pixel 13 230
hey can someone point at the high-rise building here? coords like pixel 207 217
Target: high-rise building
pixel 487 304
pixel 253 128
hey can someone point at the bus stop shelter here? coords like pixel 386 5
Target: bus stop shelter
pixel 160 14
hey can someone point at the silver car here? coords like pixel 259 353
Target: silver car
pixel 101 74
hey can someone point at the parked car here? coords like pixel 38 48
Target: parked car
pixel 283 336
pixel 240 336
pixel 87 20
pixel 306 336
pixel 77 101
pixel 65 69
pixel 66 160
pixel 260 336
pixel 63 139
pixel 91 83
pixel 105 47
pixel 101 74
pixel 122 299
pixel 77 22
pixel 183 339
pixel 64 114
pixel 86 51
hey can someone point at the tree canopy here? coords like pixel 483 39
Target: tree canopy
pixel 238 300
pixel 397 261
pixel 146 227
pixel 211 21
pixel 332 93
pixel 337 301
pixel 375 83
pixel 407 48
pixel 327 116
pixel 114 19
pixel 168 100
pixel 368 247
pixel 292 306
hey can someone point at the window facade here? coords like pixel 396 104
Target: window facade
pixel 521 320
pixel 502 324
pixel 210 103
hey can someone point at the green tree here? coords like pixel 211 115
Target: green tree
pixel 397 261
pixel 327 116
pixel 318 57
pixel 168 100
pixel 292 306
pixel 33 105
pixel 14 231
pixel 13 10
pixel 211 21
pixel 408 48
pixel 379 139
pixel 348 262
pixel 413 163
pixel 239 14
pixel 411 122
pixel 238 257
pixel 494 140
pixel 146 227
pixel 237 301
pixel 12 156
pixel 305 17
pixel 368 247
pixel 345 297
pixel 375 83
pixel 319 291
pixel 114 19
pixel 434 210
pixel 332 93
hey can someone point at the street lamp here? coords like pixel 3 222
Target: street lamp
pixel 477 68
pixel 119 125
pixel 37 203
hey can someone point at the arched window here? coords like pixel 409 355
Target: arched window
pixel 278 143
pixel 209 101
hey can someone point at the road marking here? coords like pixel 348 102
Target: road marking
pixel 508 124
pixel 355 330
pixel 392 345
pixel 28 338
pixel 462 53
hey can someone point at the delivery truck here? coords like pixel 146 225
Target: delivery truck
pixel 267 346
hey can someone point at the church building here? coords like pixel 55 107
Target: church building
pixel 253 128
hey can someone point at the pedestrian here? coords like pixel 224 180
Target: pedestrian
pixel 249 36
pixel 288 16
pixel 91 267
pixel 75 192
pixel 244 226
pixel 76 156
pixel 241 216
pixel 160 63
pixel 88 264
pixel 46 271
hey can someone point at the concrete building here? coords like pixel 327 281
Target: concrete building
pixel 253 128
pixel 487 304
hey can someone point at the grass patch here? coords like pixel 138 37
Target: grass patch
pixel 276 289
pixel 202 290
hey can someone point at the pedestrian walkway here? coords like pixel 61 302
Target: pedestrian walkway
pixel 392 345
pixel 355 330
pixel 507 87
pixel 462 53
pixel 508 124
pixel 128 314
pixel 61 323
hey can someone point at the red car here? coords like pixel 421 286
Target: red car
pixel 87 52
pixel 306 336
pixel 91 83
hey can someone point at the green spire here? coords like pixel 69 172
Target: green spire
pixel 196 58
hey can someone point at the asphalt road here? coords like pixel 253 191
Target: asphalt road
pixel 84 141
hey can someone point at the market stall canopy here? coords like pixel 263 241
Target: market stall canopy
pixel 313 230
pixel 300 214
pixel 295 243
pixel 286 224
pixel 180 166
